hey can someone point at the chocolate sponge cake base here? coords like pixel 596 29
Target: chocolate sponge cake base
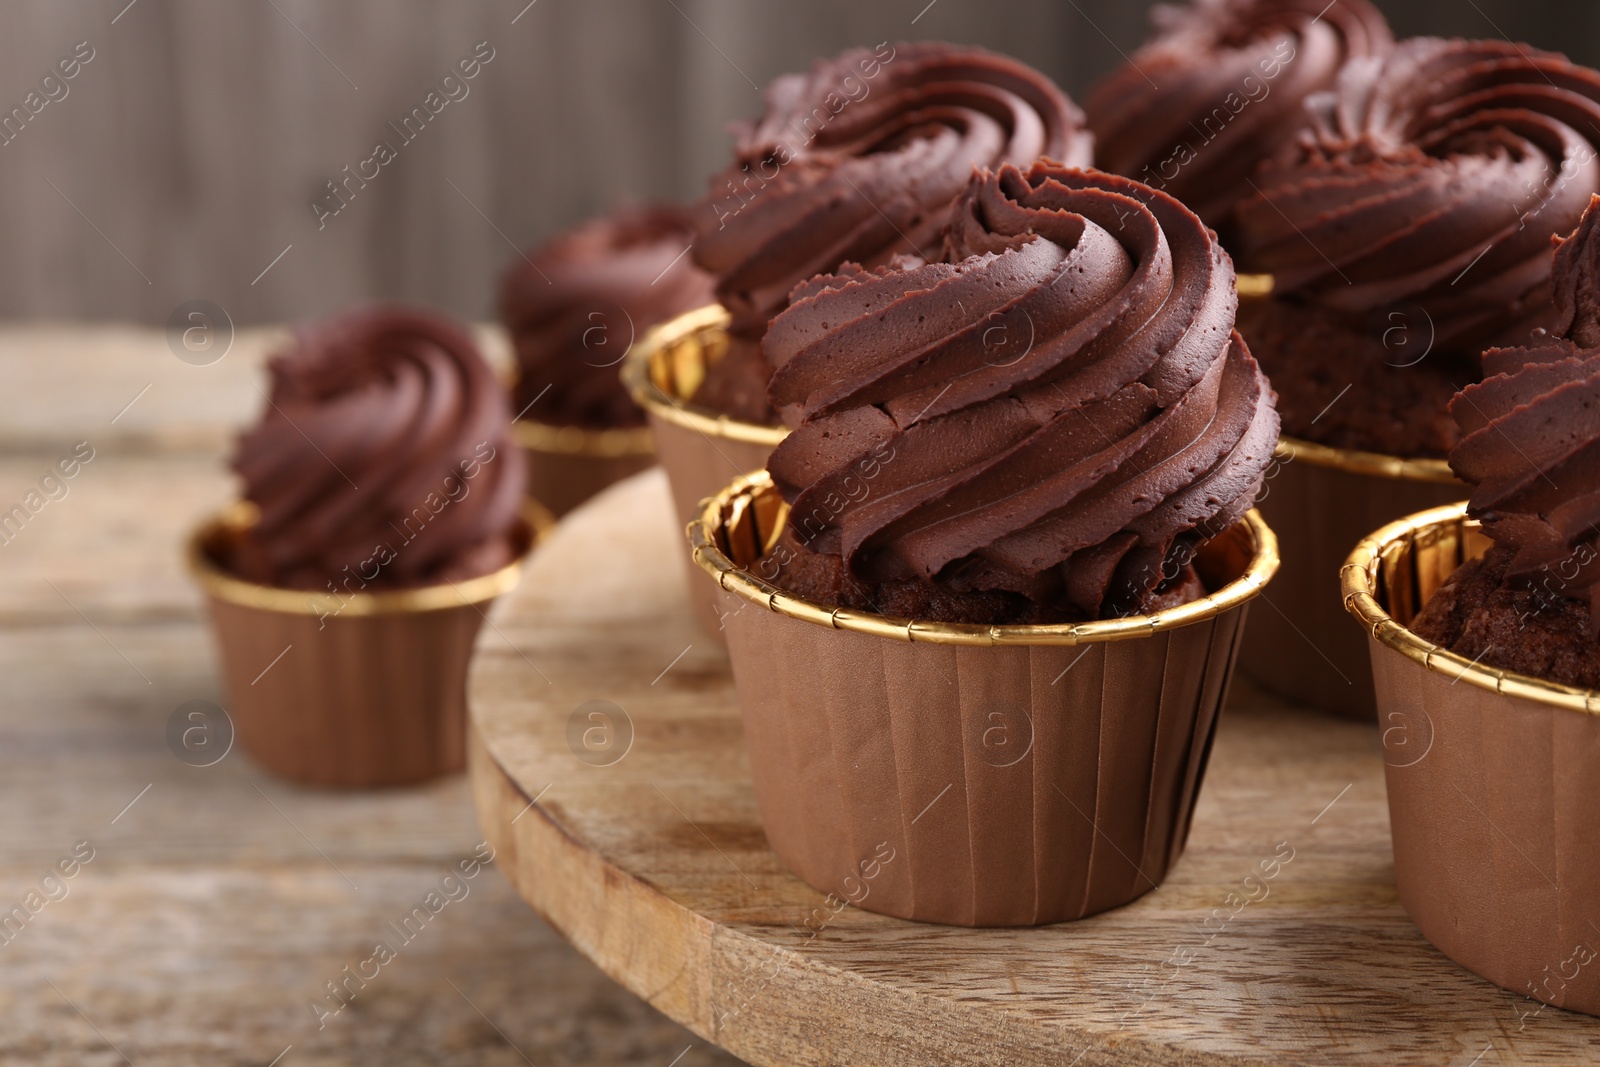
pixel 736 384
pixel 1515 624
pixel 823 578
pixel 1343 386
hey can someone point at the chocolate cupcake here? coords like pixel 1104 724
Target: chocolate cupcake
pixel 382 511
pixel 858 161
pixel 1048 438
pixel 1410 230
pixel 1486 654
pixel 574 307
pixel 1222 87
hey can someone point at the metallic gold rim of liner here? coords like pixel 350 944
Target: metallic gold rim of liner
pixel 1358 579
pixel 611 443
pixel 1373 464
pixel 646 377
pixel 234 590
pixel 701 534
pixel 1253 286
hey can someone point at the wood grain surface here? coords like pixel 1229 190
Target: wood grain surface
pixel 219 903
pixel 1277 939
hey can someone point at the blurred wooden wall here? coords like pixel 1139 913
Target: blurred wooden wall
pixel 186 153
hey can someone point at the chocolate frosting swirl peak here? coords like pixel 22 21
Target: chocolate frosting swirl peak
pixel 1222 87
pixel 859 159
pixel 1436 176
pixel 385 449
pixel 1058 409
pixel 1531 437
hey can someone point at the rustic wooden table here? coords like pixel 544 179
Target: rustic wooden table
pixel 1278 938
pixel 219 901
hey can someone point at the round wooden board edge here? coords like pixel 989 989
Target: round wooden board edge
pixel 676 961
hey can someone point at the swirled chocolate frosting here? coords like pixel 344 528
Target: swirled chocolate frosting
pixel 1436 176
pixel 383 454
pixel 577 304
pixel 1039 427
pixel 1530 447
pixel 1222 87
pixel 858 161
pixel 1409 230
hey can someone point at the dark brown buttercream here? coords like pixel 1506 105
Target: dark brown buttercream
pixel 1436 176
pixel 858 161
pixel 575 305
pixel 1058 410
pixel 382 459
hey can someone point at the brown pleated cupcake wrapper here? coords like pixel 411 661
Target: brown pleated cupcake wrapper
pixel 977 776
pixel 568 464
pixel 370 695
pixel 1320 501
pixel 1491 779
pixel 700 449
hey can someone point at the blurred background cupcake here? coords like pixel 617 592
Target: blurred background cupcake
pixel 382 512
pixel 575 306
pixel 1486 650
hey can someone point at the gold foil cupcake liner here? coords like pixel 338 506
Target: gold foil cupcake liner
pixel 1490 777
pixel 700 449
pixel 1253 286
pixel 974 775
pixel 1391 575
pixel 202 551
pixel 668 365
pixel 744 520
pixel 360 690
pixel 1374 464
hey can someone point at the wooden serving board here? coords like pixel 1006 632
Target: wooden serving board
pixel 1278 938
